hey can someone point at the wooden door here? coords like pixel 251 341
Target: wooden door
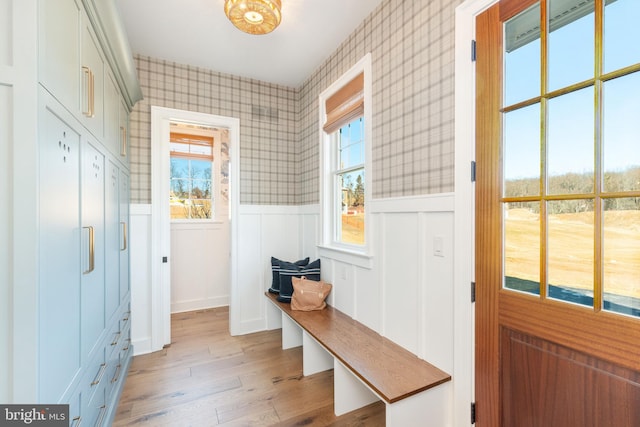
pixel 558 214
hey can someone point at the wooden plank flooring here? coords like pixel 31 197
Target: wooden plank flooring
pixel 209 378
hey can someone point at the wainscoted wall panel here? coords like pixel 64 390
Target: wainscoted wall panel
pixel 264 231
pixel 141 301
pixel 200 265
pixel 401 278
pixel 406 294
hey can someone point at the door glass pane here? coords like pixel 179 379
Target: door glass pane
pixel 621 140
pixel 571 42
pixel 571 143
pixel 621 34
pixel 570 250
pixel 521 152
pixel 522 56
pixel 621 257
pixel 522 246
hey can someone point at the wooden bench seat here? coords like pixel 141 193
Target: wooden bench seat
pixel 391 372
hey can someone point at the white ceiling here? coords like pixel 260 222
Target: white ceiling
pixel 197 32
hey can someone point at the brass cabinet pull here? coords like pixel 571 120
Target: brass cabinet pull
pixel 92 251
pixel 123 143
pixel 103 368
pixel 88 110
pixel 124 236
pixel 116 339
pixel 116 377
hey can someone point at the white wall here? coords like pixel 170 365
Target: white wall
pixel 200 265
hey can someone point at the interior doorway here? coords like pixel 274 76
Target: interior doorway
pixel 164 121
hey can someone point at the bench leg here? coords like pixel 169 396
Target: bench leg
pixel 314 357
pixel 428 408
pixel 349 393
pixel 291 333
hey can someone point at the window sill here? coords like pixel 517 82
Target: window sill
pixel 345 255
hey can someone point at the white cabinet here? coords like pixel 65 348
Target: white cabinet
pixel 112 250
pixel 111 114
pixel 59 51
pixel 82 308
pixel 59 254
pixel 124 237
pixel 124 134
pixel 92 80
pixel 92 247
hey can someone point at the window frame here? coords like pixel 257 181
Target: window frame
pixel 329 244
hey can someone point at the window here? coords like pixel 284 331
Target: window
pixel 345 148
pixel 190 195
pixel 348 173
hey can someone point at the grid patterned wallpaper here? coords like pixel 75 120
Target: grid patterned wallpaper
pixel 268 149
pixel 412 48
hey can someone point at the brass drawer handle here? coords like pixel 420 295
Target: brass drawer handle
pixel 123 144
pixel 92 251
pixel 103 368
pixel 116 376
pixel 124 236
pixel 117 338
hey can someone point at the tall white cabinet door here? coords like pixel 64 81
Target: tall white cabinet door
pixel 124 224
pixel 59 49
pixel 93 253
pixel 92 81
pixel 59 255
pixel 112 254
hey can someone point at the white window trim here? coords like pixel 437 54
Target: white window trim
pixel 328 242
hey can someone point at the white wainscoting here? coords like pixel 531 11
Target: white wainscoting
pixel 200 265
pixel 141 301
pixel 263 232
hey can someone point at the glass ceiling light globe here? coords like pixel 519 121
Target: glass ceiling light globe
pixel 254 16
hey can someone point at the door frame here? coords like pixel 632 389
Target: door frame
pixel 160 218
pixel 464 222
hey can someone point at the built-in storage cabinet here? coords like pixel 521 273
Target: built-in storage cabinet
pixel 112 114
pixel 92 81
pixel 124 134
pixel 83 308
pixel 59 253
pixel 124 236
pixel 59 23
pixel 92 247
pixel 112 253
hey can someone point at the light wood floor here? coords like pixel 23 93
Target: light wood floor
pixel 208 378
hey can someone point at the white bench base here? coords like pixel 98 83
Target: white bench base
pixel 351 393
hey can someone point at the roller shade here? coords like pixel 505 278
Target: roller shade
pixel 191 146
pixel 345 105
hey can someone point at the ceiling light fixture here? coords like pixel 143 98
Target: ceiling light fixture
pixel 254 16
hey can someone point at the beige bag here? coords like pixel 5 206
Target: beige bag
pixel 308 294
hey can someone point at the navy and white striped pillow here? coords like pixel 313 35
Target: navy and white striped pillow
pixel 275 272
pixel 288 270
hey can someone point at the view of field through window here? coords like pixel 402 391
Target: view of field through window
pixel 350 182
pixel 571 156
